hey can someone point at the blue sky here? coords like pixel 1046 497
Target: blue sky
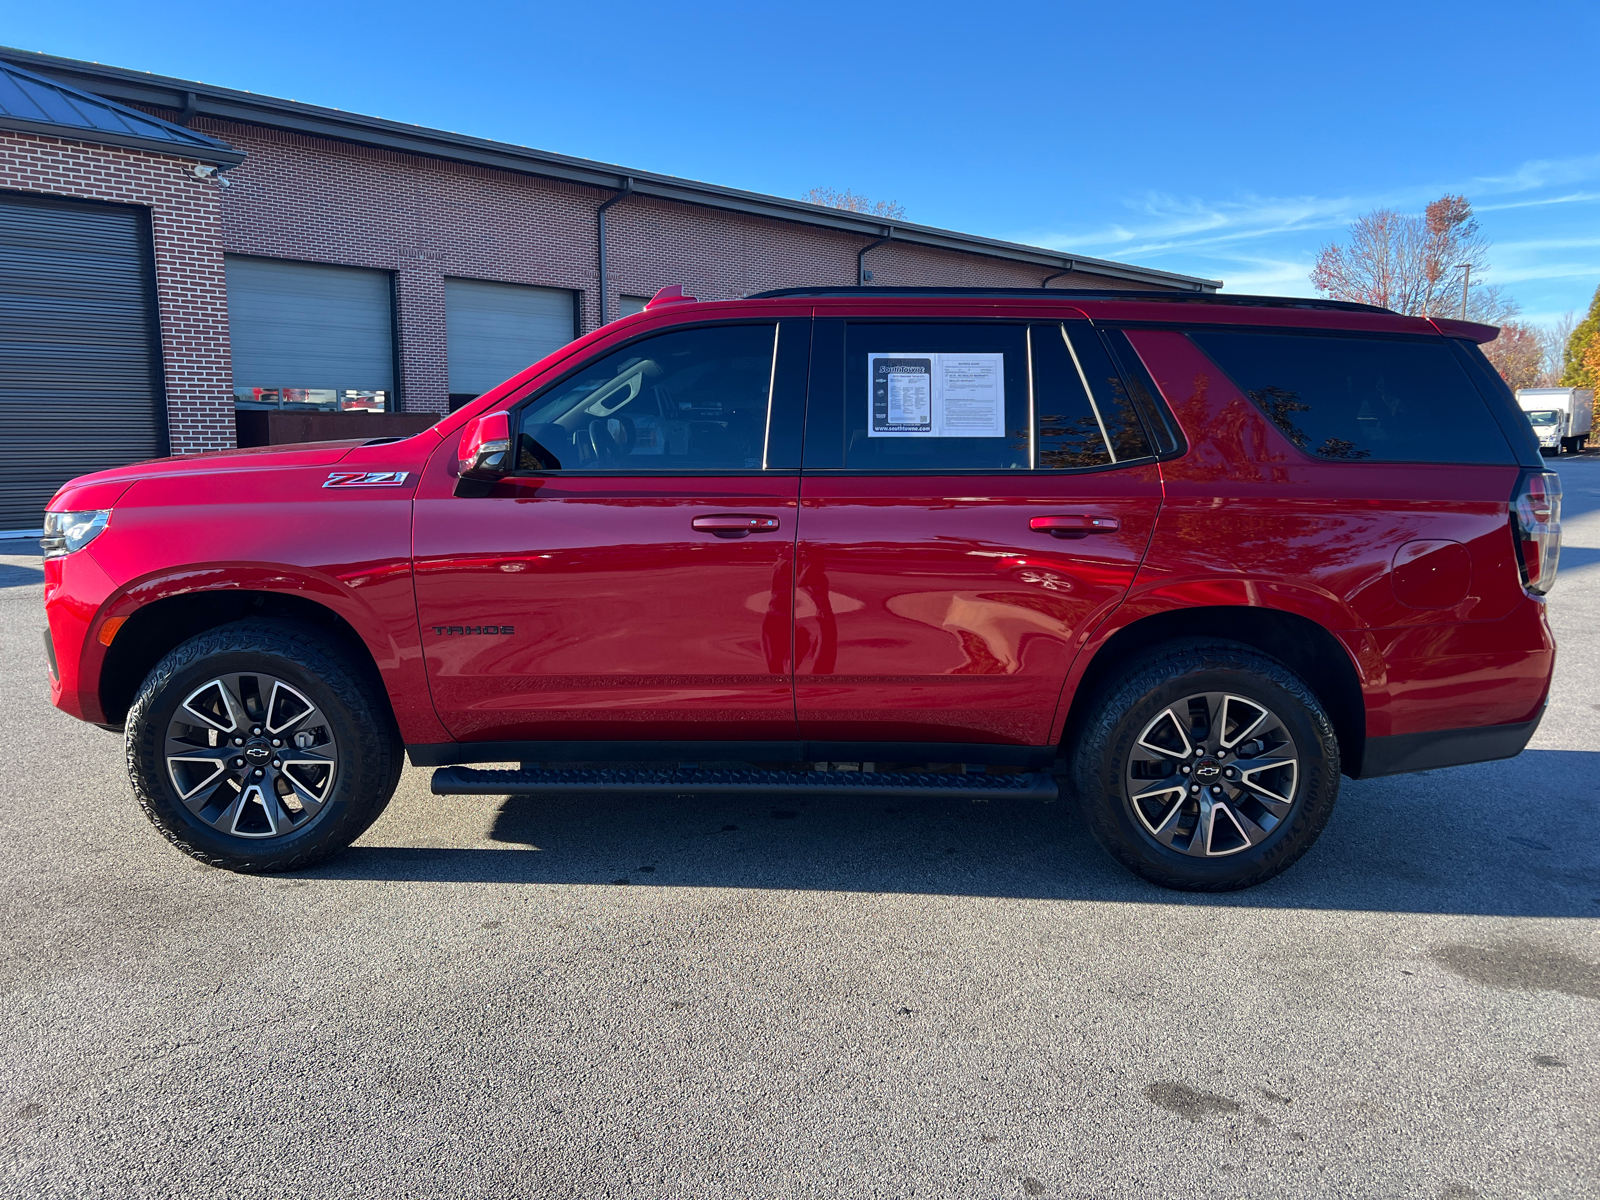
pixel 1224 140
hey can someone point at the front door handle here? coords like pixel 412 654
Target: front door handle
pixel 1074 526
pixel 735 525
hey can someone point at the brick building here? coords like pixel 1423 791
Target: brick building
pixel 186 254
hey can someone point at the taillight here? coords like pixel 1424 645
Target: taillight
pixel 1536 524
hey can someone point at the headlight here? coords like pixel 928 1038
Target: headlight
pixel 66 532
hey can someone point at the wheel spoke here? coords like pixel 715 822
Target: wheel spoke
pixel 286 708
pixel 1225 824
pixel 213 703
pixel 301 772
pixel 1161 820
pixel 1170 720
pixel 1253 833
pixel 196 769
pixel 310 802
pixel 1250 768
pixel 1261 714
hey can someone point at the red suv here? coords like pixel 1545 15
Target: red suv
pixel 1211 551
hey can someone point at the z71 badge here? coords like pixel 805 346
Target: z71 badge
pixel 463 630
pixel 366 478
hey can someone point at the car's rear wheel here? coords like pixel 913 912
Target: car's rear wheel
pixel 260 746
pixel 1206 766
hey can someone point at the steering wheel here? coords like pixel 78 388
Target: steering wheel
pixel 612 440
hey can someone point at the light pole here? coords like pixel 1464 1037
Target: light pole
pixel 1466 282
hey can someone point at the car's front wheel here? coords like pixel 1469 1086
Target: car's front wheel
pixel 260 746
pixel 1206 766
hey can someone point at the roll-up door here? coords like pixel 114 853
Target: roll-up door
pixel 496 329
pixel 298 326
pixel 80 367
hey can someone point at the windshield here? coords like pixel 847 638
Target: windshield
pixel 1544 417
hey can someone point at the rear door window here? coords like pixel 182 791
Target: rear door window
pixel 690 400
pixel 1361 399
pixel 1083 407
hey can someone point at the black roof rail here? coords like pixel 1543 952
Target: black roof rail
pixel 1083 294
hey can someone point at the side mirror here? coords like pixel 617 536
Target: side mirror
pixel 485 451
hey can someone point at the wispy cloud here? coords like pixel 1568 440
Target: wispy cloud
pixel 1267 243
pixel 1574 198
pixel 1162 222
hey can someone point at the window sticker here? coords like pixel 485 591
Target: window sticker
pixel 936 395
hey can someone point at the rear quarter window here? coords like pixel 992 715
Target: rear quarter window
pixel 1361 399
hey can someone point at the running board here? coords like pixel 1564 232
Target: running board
pixel 465 781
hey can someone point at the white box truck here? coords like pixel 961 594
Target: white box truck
pixel 1561 417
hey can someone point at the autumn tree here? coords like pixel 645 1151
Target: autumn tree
pixel 1518 354
pixel 1413 263
pixel 1577 370
pixel 852 202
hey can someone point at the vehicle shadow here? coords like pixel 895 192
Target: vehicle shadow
pixel 1515 838
pixel 16 575
pixel 1576 558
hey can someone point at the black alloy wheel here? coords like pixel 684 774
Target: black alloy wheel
pixel 1206 766
pixel 262 746
pixel 251 756
pixel 1212 774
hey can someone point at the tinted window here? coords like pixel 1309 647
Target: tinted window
pixel 935 397
pixel 693 400
pixel 1074 431
pixel 1361 399
pixel 1071 433
pixel 1142 391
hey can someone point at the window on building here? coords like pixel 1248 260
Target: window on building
pixel 310 337
pixel 628 305
pixel 691 400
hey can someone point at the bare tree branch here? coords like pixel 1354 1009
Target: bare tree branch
pixel 851 202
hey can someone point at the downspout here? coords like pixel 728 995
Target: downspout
pixel 861 255
pixel 600 230
pixel 1071 267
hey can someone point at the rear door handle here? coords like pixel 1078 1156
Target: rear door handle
pixel 1074 526
pixel 734 525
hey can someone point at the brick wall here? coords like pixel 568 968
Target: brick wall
pixel 318 200
pixel 423 219
pixel 186 221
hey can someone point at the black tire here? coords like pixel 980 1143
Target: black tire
pixel 354 716
pixel 1108 749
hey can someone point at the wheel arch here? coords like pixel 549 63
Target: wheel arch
pixel 1305 647
pixel 156 628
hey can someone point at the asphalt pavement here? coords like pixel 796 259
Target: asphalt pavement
pixel 721 998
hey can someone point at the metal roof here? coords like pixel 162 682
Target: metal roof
pixel 34 104
pixel 139 87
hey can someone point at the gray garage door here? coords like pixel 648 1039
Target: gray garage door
pixel 80 368
pixel 308 325
pixel 497 329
